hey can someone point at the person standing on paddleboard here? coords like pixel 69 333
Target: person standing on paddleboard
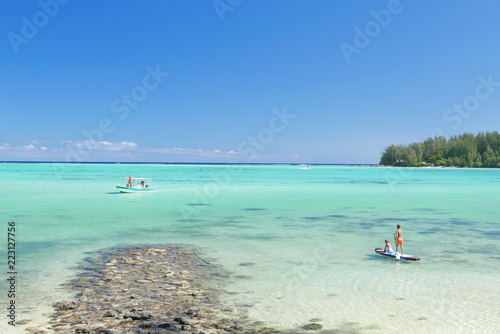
pixel 398 237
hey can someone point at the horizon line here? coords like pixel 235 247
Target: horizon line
pixel 184 163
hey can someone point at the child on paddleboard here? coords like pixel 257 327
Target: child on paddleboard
pixel 388 247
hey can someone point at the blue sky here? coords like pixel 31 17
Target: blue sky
pixel 243 81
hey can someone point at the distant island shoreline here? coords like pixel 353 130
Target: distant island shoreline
pixel 465 150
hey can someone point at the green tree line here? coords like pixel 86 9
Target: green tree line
pixel 465 150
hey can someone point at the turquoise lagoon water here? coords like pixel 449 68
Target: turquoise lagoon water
pixel 299 243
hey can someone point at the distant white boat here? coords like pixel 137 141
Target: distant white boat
pixel 306 167
pixel 134 185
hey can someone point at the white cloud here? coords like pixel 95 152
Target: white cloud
pixel 89 150
pixel 102 145
pixel 29 147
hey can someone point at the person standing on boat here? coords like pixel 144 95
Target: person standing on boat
pixel 398 237
pixel 129 184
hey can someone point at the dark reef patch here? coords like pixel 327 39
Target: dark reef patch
pixel 147 289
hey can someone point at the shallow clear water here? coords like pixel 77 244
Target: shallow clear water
pixel 299 243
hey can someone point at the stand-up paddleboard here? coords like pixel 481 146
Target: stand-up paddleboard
pixel 401 256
